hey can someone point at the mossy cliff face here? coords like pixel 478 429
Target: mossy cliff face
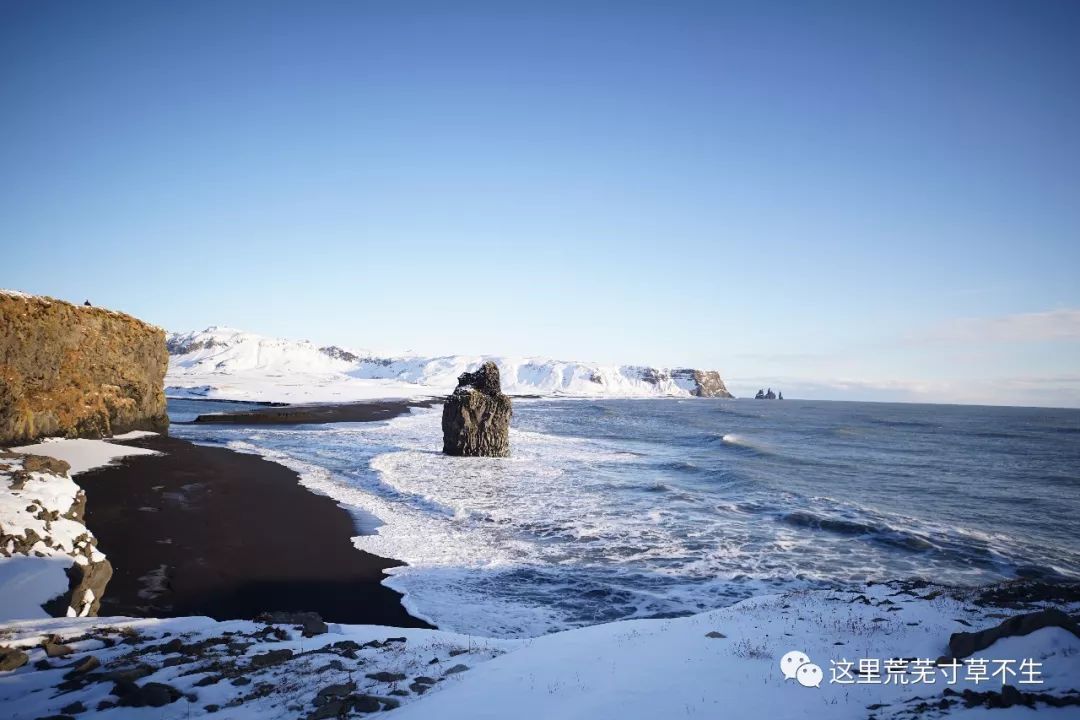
pixel 76 371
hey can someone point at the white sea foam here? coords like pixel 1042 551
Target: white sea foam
pixel 571 531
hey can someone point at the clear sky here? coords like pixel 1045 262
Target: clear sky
pixel 858 200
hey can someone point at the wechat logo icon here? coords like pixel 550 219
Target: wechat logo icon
pixel 796 665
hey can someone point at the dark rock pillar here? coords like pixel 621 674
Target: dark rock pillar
pixel 476 417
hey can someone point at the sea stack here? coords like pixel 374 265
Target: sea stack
pixel 476 417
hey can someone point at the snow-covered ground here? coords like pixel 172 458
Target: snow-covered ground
pixel 227 364
pixel 41 520
pixel 724 663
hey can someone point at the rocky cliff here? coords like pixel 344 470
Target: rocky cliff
pixel 77 371
pixel 704 383
pixel 476 417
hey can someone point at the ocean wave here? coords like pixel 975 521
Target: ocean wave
pixel 638 514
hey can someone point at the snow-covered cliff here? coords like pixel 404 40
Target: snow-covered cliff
pixel 230 364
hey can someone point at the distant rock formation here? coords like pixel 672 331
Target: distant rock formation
pixel 77 371
pixel 202 362
pixel 770 395
pixel 476 417
pixel 706 383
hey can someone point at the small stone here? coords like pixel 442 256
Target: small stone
pixel 334 691
pixel 386 677
pixel 73 709
pixel 55 649
pixel 83 666
pixel 365 703
pixel 274 657
pixel 715 635
pixel 457 669
pixel 157 694
pixel 131 674
pixel 1010 696
pixel 10 659
pixel 173 646
pixel 332 709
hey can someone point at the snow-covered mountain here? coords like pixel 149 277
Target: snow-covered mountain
pixel 230 364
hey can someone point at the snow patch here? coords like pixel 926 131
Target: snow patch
pixel 83 455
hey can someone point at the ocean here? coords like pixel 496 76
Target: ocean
pixel 616 509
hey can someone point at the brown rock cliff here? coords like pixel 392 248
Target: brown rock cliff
pixel 77 371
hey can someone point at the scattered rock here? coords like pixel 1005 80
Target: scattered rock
pixel 83 666
pixel 457 669
pixel 158 694
pixel 73 709
pixel 173 646
pixel 963 644
pixel 53 648
pixel 366 703
pixel 476 417
pixel 332 709
pixel 310 622
pixel 715 635
pixel 152 694
pixel 131 674
pixel 10 659
pixel 274 657
pixel 331 692
pixel 387 677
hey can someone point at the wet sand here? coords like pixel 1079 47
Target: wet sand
pixel 207 531
pixel 325 413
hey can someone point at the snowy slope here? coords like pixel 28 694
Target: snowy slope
pixel 231 364
pixel 720 664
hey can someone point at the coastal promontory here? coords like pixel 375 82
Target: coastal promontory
pixel 77 371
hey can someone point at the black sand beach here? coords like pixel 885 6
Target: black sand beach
pixel 317 414
pixel 207 531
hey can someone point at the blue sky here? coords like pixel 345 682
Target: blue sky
pixel 858 200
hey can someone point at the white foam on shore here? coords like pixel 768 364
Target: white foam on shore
pixel 570 532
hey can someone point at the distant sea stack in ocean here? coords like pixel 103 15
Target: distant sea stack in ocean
pixel 77 371
pixel 476 417
pixel 770 395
